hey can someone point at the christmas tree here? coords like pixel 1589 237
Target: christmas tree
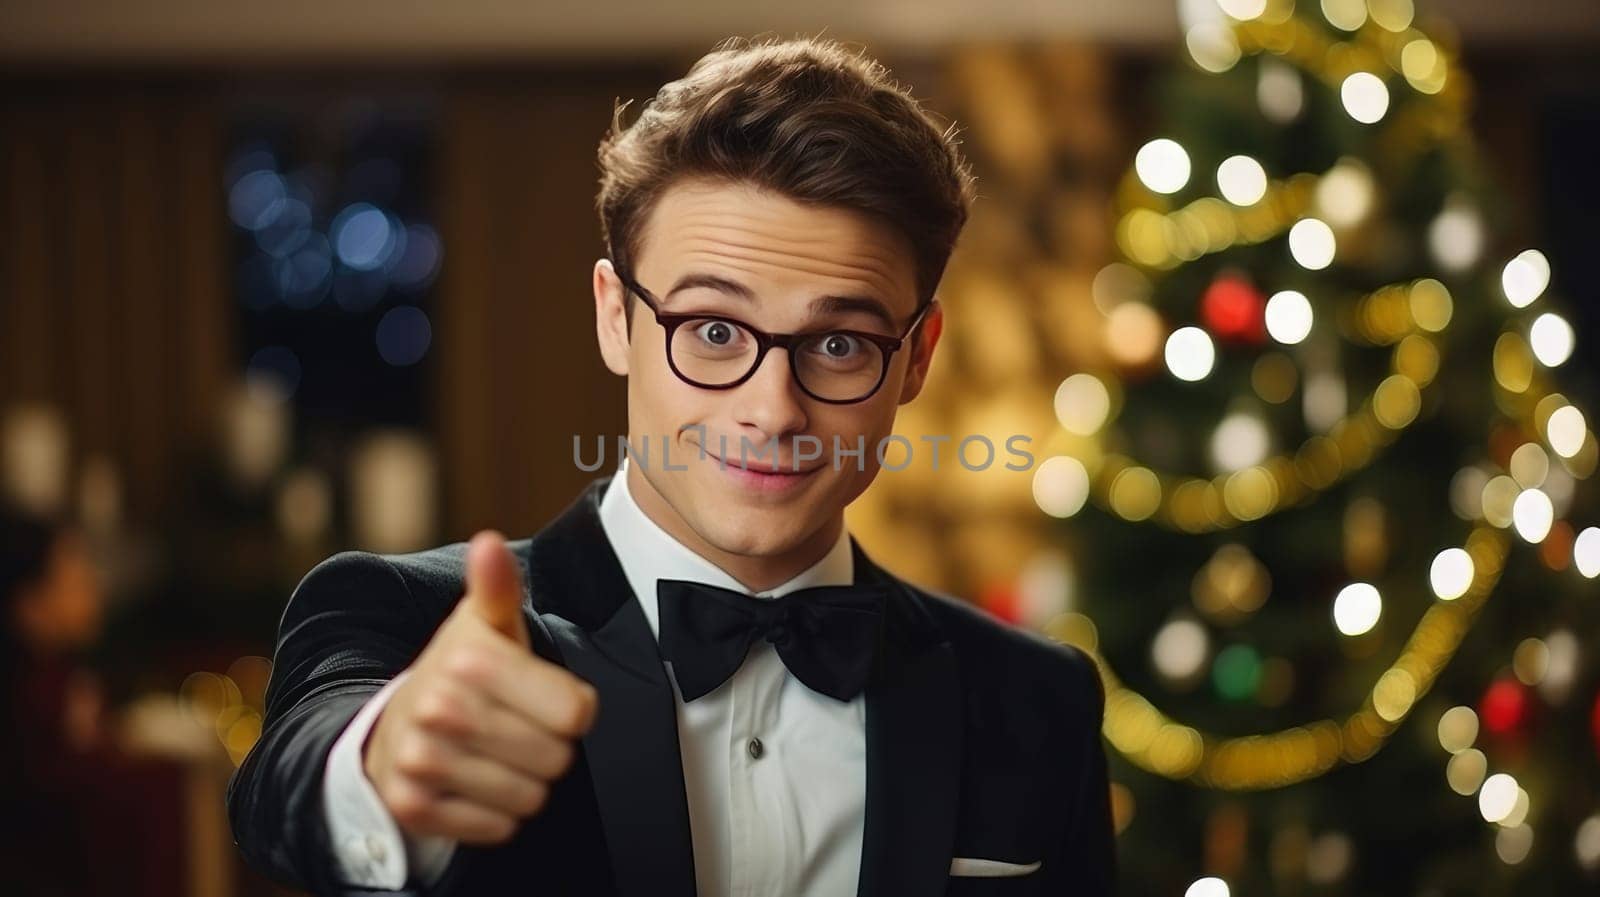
pixel 1324 512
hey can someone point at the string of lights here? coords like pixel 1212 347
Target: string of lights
pixel 1411 317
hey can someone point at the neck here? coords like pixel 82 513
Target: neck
pixel 756 572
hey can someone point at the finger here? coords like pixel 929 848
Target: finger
pixel 422 811
pixel 494 586
pixel 449 771
pixel 549 695
pixel 527 684
pixel 482 725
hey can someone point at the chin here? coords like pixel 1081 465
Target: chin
pixel 753 533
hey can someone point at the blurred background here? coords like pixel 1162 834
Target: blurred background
pixel 1292 299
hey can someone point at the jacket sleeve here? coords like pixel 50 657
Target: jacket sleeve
pixel 1089 857
pixel 351 625
pixel 368 845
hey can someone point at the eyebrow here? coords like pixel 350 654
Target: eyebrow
pixel 822 305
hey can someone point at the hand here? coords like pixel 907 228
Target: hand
pixel 471 741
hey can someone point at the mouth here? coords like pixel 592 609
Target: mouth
pixel 764 476
pixel 781 470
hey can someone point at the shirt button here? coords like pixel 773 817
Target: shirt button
pixel 756 749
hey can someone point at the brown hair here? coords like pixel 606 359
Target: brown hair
pixel 804 117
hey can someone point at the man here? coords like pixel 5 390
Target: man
pixel 693 681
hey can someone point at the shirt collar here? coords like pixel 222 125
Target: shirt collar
pixel 649 553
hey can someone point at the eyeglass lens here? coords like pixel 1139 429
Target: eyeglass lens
pixel 831 365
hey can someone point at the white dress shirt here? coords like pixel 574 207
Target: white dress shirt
pixel 774 773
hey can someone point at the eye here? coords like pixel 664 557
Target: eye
pixel 839 345
pixel 716 333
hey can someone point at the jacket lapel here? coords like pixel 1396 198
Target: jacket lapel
pixel 584 598
pixel 914 728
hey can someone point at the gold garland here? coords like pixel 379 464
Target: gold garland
pixel 1140 731
pixel 1156 239
pixel 1392 314
pixel 1156 743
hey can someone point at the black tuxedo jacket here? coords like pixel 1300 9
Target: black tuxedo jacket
pixel 982 741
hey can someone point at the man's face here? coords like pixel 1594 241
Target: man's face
pixel 783 257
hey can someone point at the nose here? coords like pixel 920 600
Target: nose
pixel 771 401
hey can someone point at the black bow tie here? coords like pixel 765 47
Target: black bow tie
pixel 826 635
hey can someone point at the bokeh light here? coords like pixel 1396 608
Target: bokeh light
pixel 1551 338
pixel 1241 180
pixel 1162 165
pixel 1133 333
pixel 1514 844
pixel 1180 650
pixel 1241 440
pixel 1356 608
pixel 1466 770
pixel 1243 10
pixel 1586 552
pixel 1525 278
pixel 1060 486
pixel 1289 316
pixel 363 236
pixel 1279 92
pixel 256 199
pixel 1458 729
pixel 1456 235
pixel 1312 244
pixel 1498 797
pixel 1346 15
pixel 1586 843
pixel 1566 431
pixel 1212 46
pixel 1532 514
pixel 1082 404
pixel 1345 193
pixel 1451 573
pixel 1210 886
pixel 1365 97
pixel 1190 354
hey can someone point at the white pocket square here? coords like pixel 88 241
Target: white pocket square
pixel 977 867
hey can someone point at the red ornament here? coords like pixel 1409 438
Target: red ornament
pixel 1232 308
pixel 1505 707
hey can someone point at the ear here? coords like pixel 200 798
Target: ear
pixel 926 337
pixel 610 317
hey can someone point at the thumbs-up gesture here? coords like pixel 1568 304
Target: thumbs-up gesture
pixel 470 742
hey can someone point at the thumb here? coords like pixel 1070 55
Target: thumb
pixel 494 586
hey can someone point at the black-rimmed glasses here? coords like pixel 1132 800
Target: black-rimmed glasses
pixel 714 351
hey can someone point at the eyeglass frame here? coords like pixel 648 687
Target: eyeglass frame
pixel 671 321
